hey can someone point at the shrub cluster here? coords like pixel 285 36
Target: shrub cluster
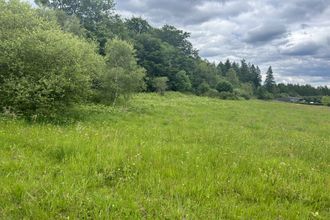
pixel 45 71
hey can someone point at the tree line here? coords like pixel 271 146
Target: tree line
pixel 67 52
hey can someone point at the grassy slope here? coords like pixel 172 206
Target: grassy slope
pixel 170 157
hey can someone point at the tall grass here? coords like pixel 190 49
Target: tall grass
pixel 171 157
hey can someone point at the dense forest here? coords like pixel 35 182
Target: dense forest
pixel 66 52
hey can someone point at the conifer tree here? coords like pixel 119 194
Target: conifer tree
pixel 270 80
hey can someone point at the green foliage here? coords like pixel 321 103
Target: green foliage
pixel 181 82
pixel 213 93
pixel 203 88
pixel 176 38
pixel 251 74
pixel 95 16
pixel 68 23
pixel 245 73
pixel 44 70
pixel 14 24
pixel 262 93
pixel 88 11
pixel 232 77
pixel 246 91
pixel 270 81
pixel 303 90
pixel 256 76
pixel 205 72
pixel 123 76
pixel 161 59
pixel 150 52
pixel 225 86
pixel 228 95
pixel 137 25
pixel 160 84
pixel 326 100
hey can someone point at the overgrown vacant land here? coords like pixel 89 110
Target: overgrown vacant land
pixel 174 157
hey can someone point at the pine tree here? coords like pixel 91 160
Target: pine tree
pixel 221 69
pixel 244 71
pixel 237 69
pixel 259 78
pixel 270 80
pixel 255 76
pixel 227 67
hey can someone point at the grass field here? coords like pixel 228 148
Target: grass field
pixel 172 157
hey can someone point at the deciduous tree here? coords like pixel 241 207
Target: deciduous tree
pixel 123 76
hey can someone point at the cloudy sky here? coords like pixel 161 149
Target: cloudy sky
pixel 293 36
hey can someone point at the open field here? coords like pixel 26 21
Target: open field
pixel 172 157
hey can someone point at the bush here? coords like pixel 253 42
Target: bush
pixel 242 93
pixel 213 93
pixel 262 93
pixel 181 82
pixel 326 100
pixel 245 91
pixel 160 84
pixel 228 95
pixel 225 86
pixel 203 88
pixel 43 71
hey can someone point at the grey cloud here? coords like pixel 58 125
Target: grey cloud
pixel 303 26
pixel 265 33
pixel 297 10
pixel 302 49
pixel 184 12
pixel 212 52
pixel 308 69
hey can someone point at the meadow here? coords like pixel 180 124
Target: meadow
pixel 169 157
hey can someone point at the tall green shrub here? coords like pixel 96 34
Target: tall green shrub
pixel 326 100
pixel 225 86
pixel 123 76
pixel 43 70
